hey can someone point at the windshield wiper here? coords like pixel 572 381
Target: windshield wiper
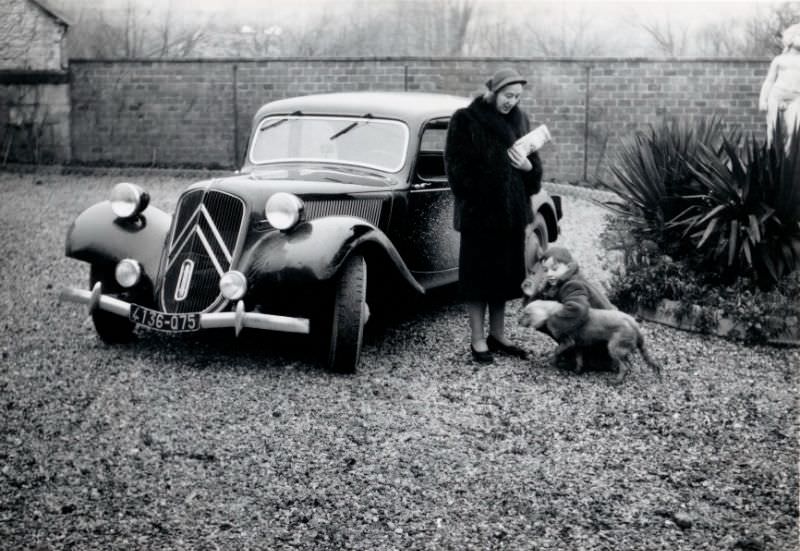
pixel 279 121
pixel 349 127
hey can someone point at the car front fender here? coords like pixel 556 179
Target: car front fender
pixel 315 250
pixel 98 236
pixel 549 207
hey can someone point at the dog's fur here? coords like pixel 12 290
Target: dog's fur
pixel 617 329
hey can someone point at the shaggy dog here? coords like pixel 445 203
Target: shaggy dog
pixel 617 329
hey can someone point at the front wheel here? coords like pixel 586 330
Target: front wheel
pixel 111 328
pixel 348 317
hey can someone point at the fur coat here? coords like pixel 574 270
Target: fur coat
pixel 492 199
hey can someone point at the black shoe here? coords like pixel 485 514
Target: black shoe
pixel 505 349
pixel 483 356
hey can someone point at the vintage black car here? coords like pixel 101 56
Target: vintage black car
pixel 342 199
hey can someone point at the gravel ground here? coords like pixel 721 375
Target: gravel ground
pixel 209 442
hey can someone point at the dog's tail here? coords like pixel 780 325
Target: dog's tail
pixel 649 360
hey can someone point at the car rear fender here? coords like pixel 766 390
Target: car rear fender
pixel 97 236
pixel 315 250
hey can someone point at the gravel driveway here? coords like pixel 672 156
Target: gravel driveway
pixel 209 442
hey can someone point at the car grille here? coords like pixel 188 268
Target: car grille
pixel 369 210
pixel 203 245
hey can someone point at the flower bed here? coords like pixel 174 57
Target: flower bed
pixel 713 320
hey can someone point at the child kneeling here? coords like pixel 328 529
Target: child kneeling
pixel 558 277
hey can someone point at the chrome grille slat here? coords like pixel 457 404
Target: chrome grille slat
pixel 204 241
pixel 369 210
pixel 188 204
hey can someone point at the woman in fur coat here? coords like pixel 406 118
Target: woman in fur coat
pixel 492 184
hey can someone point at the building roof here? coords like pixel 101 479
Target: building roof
pixel 42 5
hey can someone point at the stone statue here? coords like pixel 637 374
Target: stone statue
pixel 780 93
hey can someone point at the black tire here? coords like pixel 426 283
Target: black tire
pixel 539 228
pixel 111 328
pixel 348 316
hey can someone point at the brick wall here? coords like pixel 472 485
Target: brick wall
pixel 159 113
pixel 199 112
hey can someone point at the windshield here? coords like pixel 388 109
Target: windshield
pixel 375 143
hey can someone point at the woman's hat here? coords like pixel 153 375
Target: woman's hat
pixel 504 77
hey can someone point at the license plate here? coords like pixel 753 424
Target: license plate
pixel 161 321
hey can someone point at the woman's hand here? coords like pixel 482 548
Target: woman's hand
pixel 518 160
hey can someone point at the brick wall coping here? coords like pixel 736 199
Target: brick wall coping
pixel 433 58
pixel 556 188
pixel 29 76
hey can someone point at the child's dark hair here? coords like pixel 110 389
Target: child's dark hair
pixel 560 254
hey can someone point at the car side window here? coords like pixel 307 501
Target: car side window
pixel 430 161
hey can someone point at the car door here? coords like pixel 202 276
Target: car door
pixel 430 242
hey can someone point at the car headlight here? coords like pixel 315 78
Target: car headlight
pixel 128 272
pixel 128 200
pixel 284 210
pixel 233 285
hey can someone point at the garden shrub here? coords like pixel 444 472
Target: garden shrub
pixel 708 218
pixel 762 314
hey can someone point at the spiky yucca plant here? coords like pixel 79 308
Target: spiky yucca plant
pixel 652 175
pixel 744 219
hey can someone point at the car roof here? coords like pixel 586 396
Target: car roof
pixel 413 107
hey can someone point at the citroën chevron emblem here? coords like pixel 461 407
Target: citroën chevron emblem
pixel 217 250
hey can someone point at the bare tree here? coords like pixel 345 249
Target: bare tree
pixel 458 15
pixel 670 37
pixel 133 34
pixel 177 39
pixel 416 28
pixel 496 38
pixel 720 39
pixel 566 34
pixel 757 36
pixel 407 27
pixel 133 31
pixel 763 31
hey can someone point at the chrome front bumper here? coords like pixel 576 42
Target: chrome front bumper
pixel 237 319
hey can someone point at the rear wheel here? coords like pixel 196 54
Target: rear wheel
pixel 348 316
pixel 111 328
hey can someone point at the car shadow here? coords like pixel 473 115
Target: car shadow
pixel 213 348
pixel 410 308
